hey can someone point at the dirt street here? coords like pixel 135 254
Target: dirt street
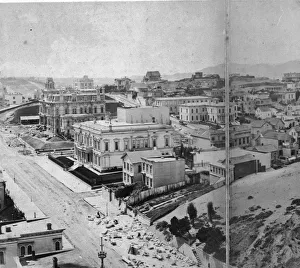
pixel 65 208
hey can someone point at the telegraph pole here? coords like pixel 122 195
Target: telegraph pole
pixel 227 131
pixel 102 254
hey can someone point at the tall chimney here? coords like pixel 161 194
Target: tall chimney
pixel 49 226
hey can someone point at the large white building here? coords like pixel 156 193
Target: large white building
pixel 24 238
pixel 173 103
pixel 60 109
pixel 212 112
pixel 14 98
pixel 102 143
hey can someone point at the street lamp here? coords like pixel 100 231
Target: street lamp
pixel 102 254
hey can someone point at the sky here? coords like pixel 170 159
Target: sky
pixel 264 31
pixel 110 39
pixel 116 39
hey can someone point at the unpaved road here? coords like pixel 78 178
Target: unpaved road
pixel 65 208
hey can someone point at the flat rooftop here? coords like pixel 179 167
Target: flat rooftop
pixel 162 159
pixel 184 98
pixel 20 228
pixel 104 125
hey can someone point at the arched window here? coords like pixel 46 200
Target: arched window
pixel 102 109
pixel 57 245
pixel 95 110
pixel 29 250
pixel 81 110
pixel 22 251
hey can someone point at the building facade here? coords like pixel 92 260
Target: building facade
pixel 132 164
pixel 23 238
pixel 212 112
pixel 102 143
pixel 123 84
pixel 13 98
pixel 291 77
pixel 162 171
pixel 84 83
pixel 49 83
pixel 152 76
pixel 60 109
pixel 173 103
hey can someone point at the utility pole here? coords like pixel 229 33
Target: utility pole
pixel 102 254
pixel 227 131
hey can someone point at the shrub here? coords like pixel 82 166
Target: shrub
pixel 124 191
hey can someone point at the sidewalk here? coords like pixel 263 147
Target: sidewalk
pixel 102 205
pixel 72 182
pixel 21 200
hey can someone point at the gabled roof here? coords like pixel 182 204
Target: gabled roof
pixel 264 109
pixel 135 157
pixel 268 148
pixel 241 159
pixel 271 134
pixel 257 123
pixel 274 120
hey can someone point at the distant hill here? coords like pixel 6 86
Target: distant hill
pixel 267 70
pixel 275 71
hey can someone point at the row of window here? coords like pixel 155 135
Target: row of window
pixel 148 182
pixel 127 178
pixel 128 167
pixel 239 141
pixel 147 168
pixel 136 144
pixel 27 250
pixel 218 171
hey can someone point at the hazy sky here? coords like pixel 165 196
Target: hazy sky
pixel 265 31
pixel 110 39
pixel 127 38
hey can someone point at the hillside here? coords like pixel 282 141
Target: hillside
pixel 22 85
pixel 266 70
pixel 265 222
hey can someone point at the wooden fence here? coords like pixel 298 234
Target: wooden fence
pixel 154 192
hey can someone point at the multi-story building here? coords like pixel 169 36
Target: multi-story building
pixel 102 143
pixel 212 112
pixel 240 136
pixel 49 83
pixel 206 81
pixel 152 76
pixel 14 98
pixel 123 83
pixel 132 164
pixel 263 112
pixel 84 83
pixel 24 238
pixel 174 102
pixel 60 109
pixel 162 171
pixel 291 77
pixel 286 96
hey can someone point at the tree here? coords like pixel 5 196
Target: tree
pixel 184 225
pixel 210 211
pixel 173 228
pixel 179 227
pixel 192 211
